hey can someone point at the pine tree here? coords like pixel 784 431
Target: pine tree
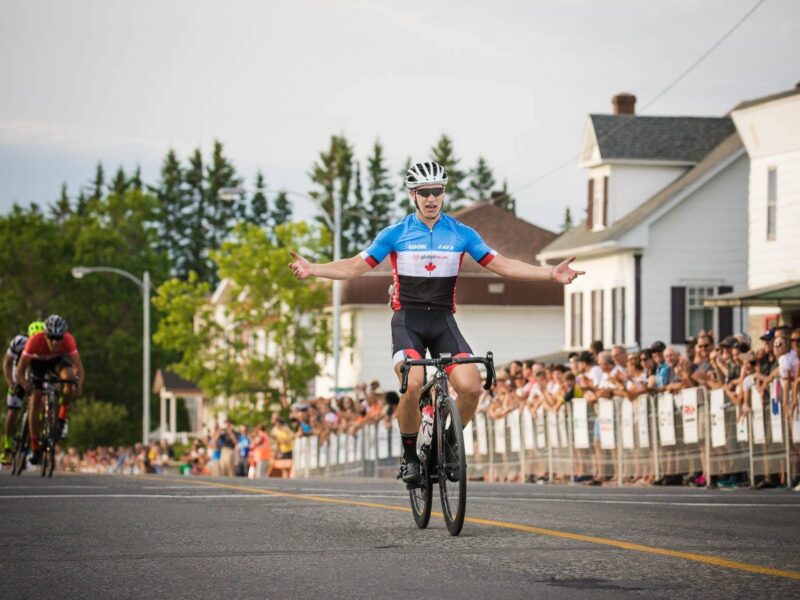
pixel 119 184
pixel 379 191
pixel 503 199
pixel 197 242
pixel 62 209
pixel 135 182
pixel 98 183
pixel 282 209
pixel 481 181
pixel 222 213
pixel 567 224
pixel 357 216
pixel 334 174
pixel 81 205
pixel 444 154
pixel 174 215
pixel 259 207
pixel 403 201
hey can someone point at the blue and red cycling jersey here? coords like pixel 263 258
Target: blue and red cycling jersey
pixel 426 262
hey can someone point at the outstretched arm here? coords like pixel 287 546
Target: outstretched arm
pixel 346 268
pixel 516 269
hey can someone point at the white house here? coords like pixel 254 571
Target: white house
pixel 513 319
pixel 770 130
pixel 665 228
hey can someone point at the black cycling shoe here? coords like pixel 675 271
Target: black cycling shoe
pixel 410 473
pixel 36 457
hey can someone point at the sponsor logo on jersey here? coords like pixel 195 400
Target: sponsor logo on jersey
pixel 416 246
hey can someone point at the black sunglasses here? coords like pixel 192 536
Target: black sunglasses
pixel 539 374
pixel 796 340
pixel 55 338
pixel 426 193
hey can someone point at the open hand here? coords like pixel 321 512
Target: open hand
pixel 301 268
pixel 563 274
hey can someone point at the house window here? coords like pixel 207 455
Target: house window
pixel 597 315
pixel 618 315
pixel 576 310
pixel 772 202
pixel 698 316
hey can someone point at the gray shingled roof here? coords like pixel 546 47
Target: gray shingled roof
pixel 581 236
pixel 684 139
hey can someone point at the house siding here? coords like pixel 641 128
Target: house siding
pixel 702 240
pixel 628 185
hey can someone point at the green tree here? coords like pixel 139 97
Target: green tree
pixel 174 215
pixel 481 181
pixel 403 201
pixel 259 207
pixel 504 199
pixel 379 190
pixel 282 209
pixel 120 182
pixel 135 181
pixel 98 183
pixel 197 240
pixel 444 154
pixel 97 423
pixel 62 209
pixel 223 212
pixel 264 300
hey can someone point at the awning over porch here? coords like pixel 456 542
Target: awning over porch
pixel 782 294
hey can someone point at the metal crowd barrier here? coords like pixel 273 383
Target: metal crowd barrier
pixel 650 437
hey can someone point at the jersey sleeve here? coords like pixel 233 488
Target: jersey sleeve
pixel 381 246
pixel 476 247
pixel 70 345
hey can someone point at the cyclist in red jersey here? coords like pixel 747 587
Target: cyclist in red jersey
pixel 52 351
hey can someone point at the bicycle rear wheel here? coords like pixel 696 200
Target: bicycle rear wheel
pixel 422 498
pixel 452 465
pixel 20 447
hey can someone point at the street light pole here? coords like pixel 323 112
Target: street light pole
pixel 144 286
pixel 337 296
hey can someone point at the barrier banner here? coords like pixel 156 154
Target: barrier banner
pixel 297 454
pixel 643 422
pixel 359 444
pixel 775 412
pixel 580 424
pixel 342 448
pixel 323 455
pixel 757 410
pixel 741 429
pixel 627 424
pixel 717 414
pixel 500 435
pixel 563 438
pixel 527 428
pixel 333 449
pixel 469 440
pixel 480 426
pixel 689 413
pixel 605 414
pixel 396 443
pixel 383 441
pixel 313 452
pixel 796 425
pixel 541 434
pixel 666 419
pixel 513 429
pixel 552 429
pixel 369 442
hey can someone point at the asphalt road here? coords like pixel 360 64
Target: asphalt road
pixel 167 537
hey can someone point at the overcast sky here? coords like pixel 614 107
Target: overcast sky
pixel 123 82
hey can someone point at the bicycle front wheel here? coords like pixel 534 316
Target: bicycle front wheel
pixel 422 498
pixel 20 449
pixel 452 465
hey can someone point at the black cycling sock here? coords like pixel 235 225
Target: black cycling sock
pixel 409 447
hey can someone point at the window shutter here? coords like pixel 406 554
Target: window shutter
pixel 590 205
pixel 605 201
pixel 725 315
pixel 678 312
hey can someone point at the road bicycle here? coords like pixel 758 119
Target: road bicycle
pixel 51 428
pixel 442 459
pixel 21 442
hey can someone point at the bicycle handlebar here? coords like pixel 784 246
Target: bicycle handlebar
pixel 446 361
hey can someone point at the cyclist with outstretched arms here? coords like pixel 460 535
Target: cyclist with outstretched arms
pixel 426 249
pixel 16 393
pixel 52 351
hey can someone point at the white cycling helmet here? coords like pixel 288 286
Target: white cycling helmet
pixel 425 173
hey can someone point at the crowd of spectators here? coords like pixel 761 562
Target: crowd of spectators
pixel 731 364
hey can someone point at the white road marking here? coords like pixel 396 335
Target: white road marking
pixel 177 496
pixel 53 487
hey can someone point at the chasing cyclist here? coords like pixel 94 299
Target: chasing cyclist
pixel 16 393
pixel 426 249
pixel 51 351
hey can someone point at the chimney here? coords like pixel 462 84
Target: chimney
pixel 624 104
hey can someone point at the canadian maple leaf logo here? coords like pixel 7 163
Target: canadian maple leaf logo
pixel 430 267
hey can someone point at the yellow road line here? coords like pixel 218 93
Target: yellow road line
pixel 700 558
